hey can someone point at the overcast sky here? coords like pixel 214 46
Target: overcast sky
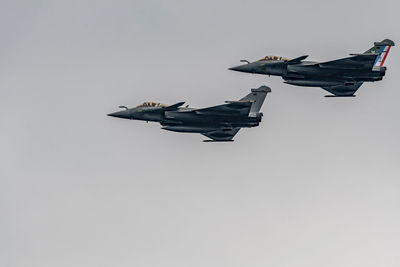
pixel 316 184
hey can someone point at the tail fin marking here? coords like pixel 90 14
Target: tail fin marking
pixel 381 50
pixel 380 59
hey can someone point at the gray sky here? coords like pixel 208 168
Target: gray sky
pixel 317 184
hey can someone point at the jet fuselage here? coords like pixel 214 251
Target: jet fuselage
pixel 341 77
pixel 310 73
pixel 219 123
pixel 182 120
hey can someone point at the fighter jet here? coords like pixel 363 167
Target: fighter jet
pixel 219 123
pixel 340 77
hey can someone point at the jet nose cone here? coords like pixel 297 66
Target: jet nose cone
pixel 124 114
pixel 244 68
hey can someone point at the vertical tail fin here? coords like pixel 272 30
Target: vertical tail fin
pixel 381 50
pixel 256 96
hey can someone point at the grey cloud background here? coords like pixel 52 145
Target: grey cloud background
pixel 317 184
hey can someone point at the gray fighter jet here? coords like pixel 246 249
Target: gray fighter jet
pixel 219 123
pixel 341 77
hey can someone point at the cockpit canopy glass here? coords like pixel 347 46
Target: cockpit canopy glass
pixel 151 104
pixel 270 58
